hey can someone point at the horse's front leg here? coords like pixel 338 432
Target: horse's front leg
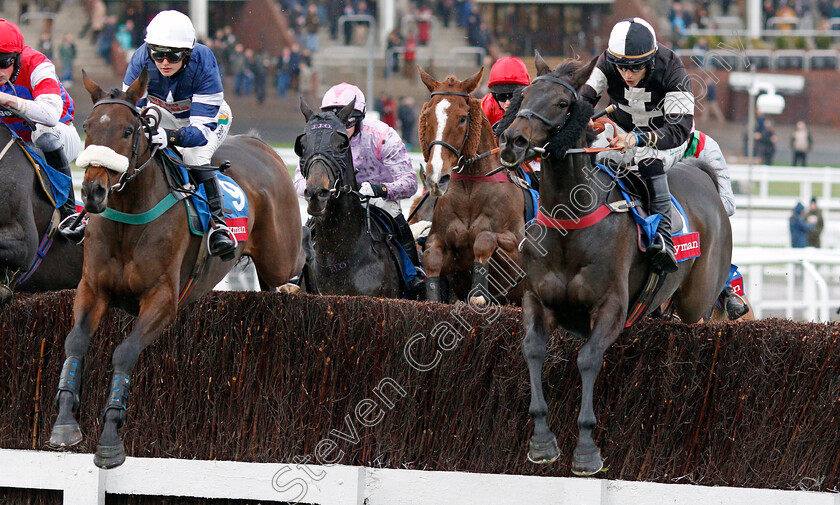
pixel 543 446
pixel 88 309
pixel 485 244
pixel 433 258
pixel 607 321
pixel 157 309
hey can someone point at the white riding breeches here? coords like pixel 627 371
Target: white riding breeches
pixel 631 157
pixel 201 155
pixel 711 154
pixel 67 135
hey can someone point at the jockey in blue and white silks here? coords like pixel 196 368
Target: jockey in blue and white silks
pixel 185 85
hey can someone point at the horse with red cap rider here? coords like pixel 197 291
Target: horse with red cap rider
pixel 29 84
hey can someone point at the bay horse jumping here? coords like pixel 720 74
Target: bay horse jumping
pixel 584 279
pixel 477 217
pixel 352 257
pixel 34 257
pixel 142 268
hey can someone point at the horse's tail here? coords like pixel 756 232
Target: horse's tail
pixel 705 167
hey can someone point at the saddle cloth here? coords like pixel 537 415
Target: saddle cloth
pixel 686 241
pixel 57 186
pixel 387 225
pixel 235 205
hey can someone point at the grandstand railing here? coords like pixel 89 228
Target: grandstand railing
pixel 806 296
pixel 84 484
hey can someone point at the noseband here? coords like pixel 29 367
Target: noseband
pixel 556 127
pixel 143 120
pixel 462 162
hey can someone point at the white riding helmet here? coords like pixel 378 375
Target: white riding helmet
pixel 171 29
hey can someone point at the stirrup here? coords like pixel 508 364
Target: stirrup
pixel 661 256
pixel 226 255
pixel 75 234
pixel 734 305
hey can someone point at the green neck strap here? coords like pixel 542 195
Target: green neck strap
pixel 143 218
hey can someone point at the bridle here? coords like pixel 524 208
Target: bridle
pixel 325 154
pixel 143 120
pixel 554 126
pixel 462 162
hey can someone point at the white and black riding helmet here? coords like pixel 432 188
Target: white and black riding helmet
pixel 632 43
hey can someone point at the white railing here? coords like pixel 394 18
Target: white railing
pixel 84 484
pixel 792 283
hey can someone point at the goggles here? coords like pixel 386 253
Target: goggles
pixel 638 67
pixel 7 61
pixel 166 53
pixel 502 97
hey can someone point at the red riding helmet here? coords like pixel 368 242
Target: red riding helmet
pixel 11 42
pixel 508 74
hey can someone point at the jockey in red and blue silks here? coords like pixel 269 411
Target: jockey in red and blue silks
pixel 383 168
pixel 185 85
pixel 29 85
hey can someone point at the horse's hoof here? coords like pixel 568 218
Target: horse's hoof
pixel 585 465
pixel 543 453
pixel 109 456
pixel 65 435
pixel 289 288
pixel 5 294
pixel 478 301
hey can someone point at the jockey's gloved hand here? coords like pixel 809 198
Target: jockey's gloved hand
pixel 160 138
pixel 374 190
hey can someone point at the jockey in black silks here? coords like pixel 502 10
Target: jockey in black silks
pixel 654 115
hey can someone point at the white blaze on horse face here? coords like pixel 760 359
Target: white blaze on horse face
pixel 104 118
pixel 437 149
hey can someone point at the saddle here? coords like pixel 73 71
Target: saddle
pixel 184 188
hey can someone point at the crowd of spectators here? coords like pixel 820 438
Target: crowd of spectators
pixel 786 15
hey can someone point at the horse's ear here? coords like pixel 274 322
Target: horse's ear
pixel 428 80
pixel 345 111
pixel 138 88
pixel 539 62
pixel 92 87
pixel 582 74
pixel 305 109
pixel 472 82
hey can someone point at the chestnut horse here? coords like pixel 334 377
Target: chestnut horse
pixel 142 268
pixel 478 220
pixel 33 255
pixel 585 278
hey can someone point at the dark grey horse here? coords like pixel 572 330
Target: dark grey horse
pixel 25 216
pixel 351 258
pixel 585 279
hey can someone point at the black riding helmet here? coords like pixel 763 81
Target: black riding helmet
pixel 632 44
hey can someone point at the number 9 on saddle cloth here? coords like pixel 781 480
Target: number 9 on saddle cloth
pixel 699 146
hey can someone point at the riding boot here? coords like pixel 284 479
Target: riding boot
pixel 67 212
pixel 220 242
pixel 661 248
pixel 407 242
pixel 735 308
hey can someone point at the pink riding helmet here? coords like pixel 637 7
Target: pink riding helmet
pixel 341 94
